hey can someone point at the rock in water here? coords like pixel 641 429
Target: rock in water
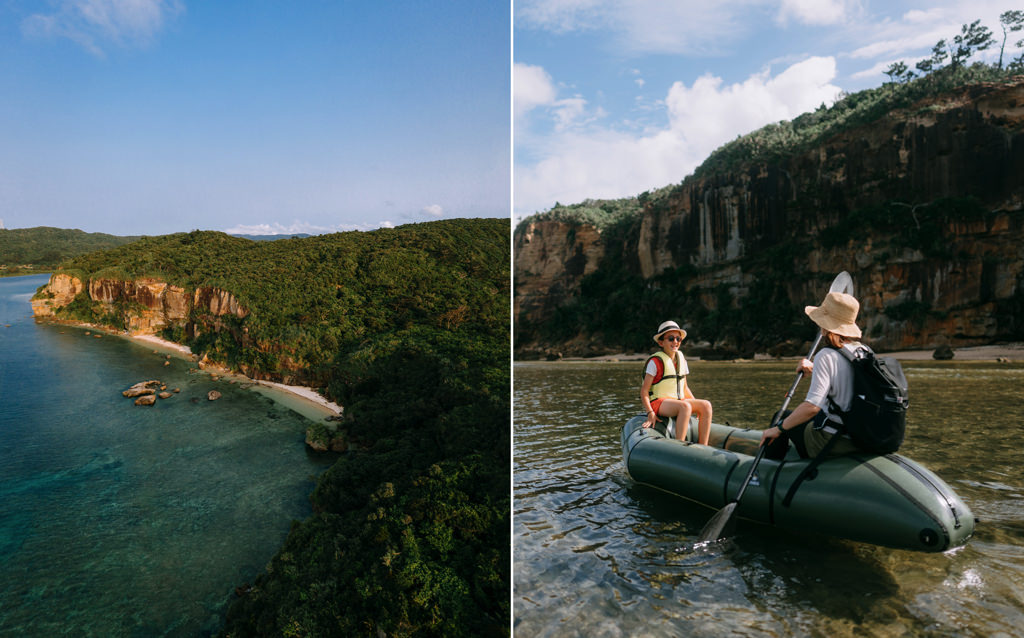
pixel 141 388
pixel 213 395
pixel 148 399
pixel 138 392
pixel 164 395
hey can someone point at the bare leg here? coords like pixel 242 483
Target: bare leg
pixel 703 410
pixel 681 410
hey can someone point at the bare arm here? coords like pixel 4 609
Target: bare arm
pixel 803 413
pixel 645 400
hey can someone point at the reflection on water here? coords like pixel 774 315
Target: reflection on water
pixel 596 555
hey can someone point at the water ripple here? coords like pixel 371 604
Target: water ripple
pixel 597 555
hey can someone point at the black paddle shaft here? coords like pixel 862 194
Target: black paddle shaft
pixel 725 518
pixel 775 422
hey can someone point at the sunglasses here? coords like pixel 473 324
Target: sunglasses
pixel 673 338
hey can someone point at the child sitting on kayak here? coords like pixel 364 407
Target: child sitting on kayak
pixel 664 391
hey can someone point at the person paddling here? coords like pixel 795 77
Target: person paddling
pixel 664 391
pixel 831 388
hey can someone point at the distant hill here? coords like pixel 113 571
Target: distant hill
pixel 42 249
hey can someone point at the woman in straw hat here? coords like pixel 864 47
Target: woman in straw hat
pixel 664 391
pixel 831 385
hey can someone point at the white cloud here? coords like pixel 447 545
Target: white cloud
pixel 534 90
pixel 647 26
pixel 532 87
pixel 910 37
pixel 295 228
pixel 607 163
pixel 569 112
pixel 563 15
pixel 434 210
pixel 817 12
pixel 300 228
pixel 95 23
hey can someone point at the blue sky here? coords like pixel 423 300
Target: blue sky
pixel 159 116
pixel 615 97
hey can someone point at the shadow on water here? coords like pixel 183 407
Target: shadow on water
pixel 780 565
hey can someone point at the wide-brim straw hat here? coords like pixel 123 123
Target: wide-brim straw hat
pixel 668 326
pixel 838 314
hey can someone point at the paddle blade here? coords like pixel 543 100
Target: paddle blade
pixel 842 283
pixel 721 524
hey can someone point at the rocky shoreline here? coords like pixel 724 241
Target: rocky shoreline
pixel 324 435
pixel 1009 352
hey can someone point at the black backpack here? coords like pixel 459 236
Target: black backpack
pixel 877 418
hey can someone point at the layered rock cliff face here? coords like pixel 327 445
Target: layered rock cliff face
pixel 969 144
pixel 551 258
pixel 145 305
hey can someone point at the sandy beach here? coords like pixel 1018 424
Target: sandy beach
pixel 322 406
pixel 1001 352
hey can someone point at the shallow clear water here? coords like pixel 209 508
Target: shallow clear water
pixel 118 520
pixel 597 555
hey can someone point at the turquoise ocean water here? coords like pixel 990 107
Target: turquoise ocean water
pixel 118 520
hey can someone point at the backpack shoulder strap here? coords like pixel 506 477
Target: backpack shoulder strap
pixel 810 468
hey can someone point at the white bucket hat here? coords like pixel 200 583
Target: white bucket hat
pixel 838 314
pixel 668 326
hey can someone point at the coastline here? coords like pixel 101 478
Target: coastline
pixel 308 397
pixel 1008 352
pixel 304 400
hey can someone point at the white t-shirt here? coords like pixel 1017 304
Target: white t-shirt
pixel 832 377
pixel 681 367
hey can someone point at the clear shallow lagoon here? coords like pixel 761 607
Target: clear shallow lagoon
pixel 597 555
pixel 119 520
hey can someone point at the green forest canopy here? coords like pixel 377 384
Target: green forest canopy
pixel 948 68
pixel 409 329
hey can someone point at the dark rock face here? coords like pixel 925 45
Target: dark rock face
pixel 961 289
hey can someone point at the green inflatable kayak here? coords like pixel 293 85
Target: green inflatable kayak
pixel 884 500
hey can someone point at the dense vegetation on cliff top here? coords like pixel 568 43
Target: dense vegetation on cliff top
pixel 614 301
pixel 408 328
pixel 41 249
pixel 945 70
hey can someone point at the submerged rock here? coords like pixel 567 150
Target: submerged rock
pixel 213 395
pixel 164 395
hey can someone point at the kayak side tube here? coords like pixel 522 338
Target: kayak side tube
pixel 884 500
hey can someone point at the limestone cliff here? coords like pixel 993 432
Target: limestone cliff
pixel 142 306
pixel 945 266
pixel 551 259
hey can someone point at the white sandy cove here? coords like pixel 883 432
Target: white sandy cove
pixel 306 393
